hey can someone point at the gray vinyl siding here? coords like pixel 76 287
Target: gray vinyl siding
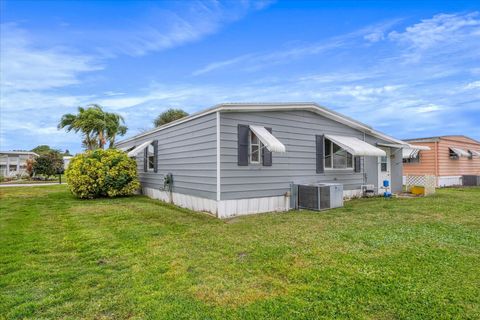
pixel 188 151
pixel 296 130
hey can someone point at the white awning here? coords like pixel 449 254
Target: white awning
pixel 392 145
pixel 270 142
pixel 356 146
pixel 412 151
pixel 460 152
pixel 139 149
pixel 408 153
pixel 475 153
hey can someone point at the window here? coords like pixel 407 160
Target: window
pixel 383 164
pixel 13 167
pixel 151 157
pixel 255 148
pixel 415 159
pixel 336 157
pixel 452 154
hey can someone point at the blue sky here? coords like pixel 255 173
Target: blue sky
pixel 408 68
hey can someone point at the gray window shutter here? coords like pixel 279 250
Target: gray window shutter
pixel 267 155
pixel 243 135
pixel 145 159
pixel 319 141
pixel 357 164
pixel 155 157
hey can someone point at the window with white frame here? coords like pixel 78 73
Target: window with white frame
pixel 383 164
pixel 336 157
pixel 255 148
pixel 151 157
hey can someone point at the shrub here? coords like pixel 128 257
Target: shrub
pixel 48 164
pixel 102 173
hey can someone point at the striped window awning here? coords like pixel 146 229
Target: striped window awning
pixel 268 139
pixel 139 149
pixel 356 146
pixel 411 151
pixel 460 152
pixel 475 153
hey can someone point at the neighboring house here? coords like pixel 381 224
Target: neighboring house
pixel 448 158
pixel 14 163
pixel 236 159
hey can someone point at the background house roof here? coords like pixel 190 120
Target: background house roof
pixel 19 153
pixel 437 138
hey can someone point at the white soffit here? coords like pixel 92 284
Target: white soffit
pixel 139 149
pixel 356 146
pixel 270 142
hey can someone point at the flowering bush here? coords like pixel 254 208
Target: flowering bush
pixel 102 173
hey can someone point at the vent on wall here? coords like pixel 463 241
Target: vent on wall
pixel 317 196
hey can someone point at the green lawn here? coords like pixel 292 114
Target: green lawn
pixel 136 258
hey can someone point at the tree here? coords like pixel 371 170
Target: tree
pixel 113 127
pixel 44 149
pixel 48 164
pixel 169 116
pixel 96 126
pixel 29 166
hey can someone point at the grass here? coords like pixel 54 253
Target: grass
pixel 136 258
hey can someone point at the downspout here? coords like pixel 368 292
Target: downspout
pixel 436 162
pixel 363 165
pixel 218 160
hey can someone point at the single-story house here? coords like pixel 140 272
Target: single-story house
pixel 446 157
pixel 242 158
pixel 13 163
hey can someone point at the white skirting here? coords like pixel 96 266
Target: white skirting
pixel 224 208
pixel 230 208
pixel 350 194
pixel 183 200
pixel 448 181
pixel 240 207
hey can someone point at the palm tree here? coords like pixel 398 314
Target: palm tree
pixel 96 125
pixel 114 126
pixel 76 122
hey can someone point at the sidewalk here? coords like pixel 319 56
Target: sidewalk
pixel 31 184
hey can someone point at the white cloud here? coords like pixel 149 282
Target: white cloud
pixel 473 85
pixel 162 29
pixel 456 34
pixel 428 108
pixel 26 66
pixel 255 61
pixel 439 29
